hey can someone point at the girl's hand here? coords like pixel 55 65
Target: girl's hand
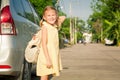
pixel 34 37
pixel 49 64
pixel 61 19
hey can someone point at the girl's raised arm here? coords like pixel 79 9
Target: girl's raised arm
pixel 61 19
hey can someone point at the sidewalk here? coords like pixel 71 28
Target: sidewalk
pixel 90 62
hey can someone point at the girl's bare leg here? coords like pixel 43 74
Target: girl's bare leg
pixel 44 77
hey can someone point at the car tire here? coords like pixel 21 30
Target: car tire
pixel 26 71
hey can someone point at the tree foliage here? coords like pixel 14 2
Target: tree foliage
pixel 65 29
pixel 108 13
pixel 40 5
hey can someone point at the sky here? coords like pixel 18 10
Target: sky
pixel 79 8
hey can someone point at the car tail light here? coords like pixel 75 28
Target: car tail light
pixel 5 67
pixel 7 26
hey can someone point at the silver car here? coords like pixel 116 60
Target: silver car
pixel 18 22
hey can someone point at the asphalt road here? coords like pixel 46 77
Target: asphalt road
pixel 90 62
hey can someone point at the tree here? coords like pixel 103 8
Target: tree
pixel 40 5
pixel 107 11
pixel 65 27
pixel 80 28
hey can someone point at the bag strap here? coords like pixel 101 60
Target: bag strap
pixel 38 37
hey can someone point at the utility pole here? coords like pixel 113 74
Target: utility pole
pixel 75 31
pixel 73 22
pixel 57 5
pixel 70 24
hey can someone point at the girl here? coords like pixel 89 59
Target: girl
pixel 49 61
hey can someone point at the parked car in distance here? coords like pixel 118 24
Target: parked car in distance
pixel 18 22
pixel 109 42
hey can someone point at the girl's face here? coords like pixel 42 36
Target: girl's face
pixel 50 16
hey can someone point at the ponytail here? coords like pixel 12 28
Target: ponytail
pixel 41 22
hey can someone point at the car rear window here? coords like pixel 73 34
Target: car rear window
pixel 18 7
pixel 30 12
pixel 0 3
pixel 24 9
pixel 36 17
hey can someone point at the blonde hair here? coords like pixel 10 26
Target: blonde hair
pixel 48 8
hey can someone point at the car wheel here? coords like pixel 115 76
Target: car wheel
pixel 26 71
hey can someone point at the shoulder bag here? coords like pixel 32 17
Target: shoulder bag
pixel 33 48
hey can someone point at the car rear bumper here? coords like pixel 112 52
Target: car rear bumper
pixel 11 60
pixel 8 72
